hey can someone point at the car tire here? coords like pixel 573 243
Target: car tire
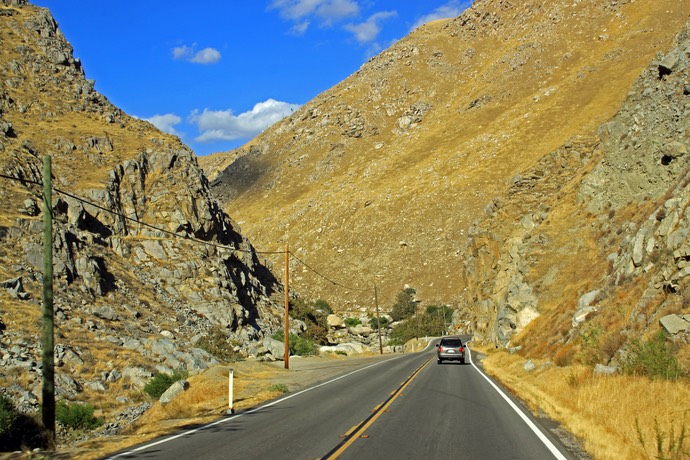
pixel 440 361
pixel 462 361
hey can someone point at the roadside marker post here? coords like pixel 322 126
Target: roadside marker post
pixel 230 383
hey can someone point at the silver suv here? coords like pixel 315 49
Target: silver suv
pixel 450 348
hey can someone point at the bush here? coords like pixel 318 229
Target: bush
pixel 385 323
pixel 352 322
pixel 161 382
pixel 20 431
pixel 315 320
pixel 76 416
pixel 8 415
pixel 324 306
pixel 653 358
pixel 217 343
pixel 279 387
pixel 298 346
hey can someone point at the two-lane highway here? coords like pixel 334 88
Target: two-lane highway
pixel 407 406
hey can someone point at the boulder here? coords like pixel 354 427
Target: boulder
pixel 335 322
pixel 108 313
pixel 675 324
pixel 601 369
pixel 175 390
pixel 275 347
pixel 584 307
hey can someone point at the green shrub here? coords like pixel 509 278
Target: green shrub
pixel 20 431
pixel 161 382
pixel 76 416
pixel 8 415
pixel 218 344
pixel 352 322
pixel 280 387
pixel 315 319
pixel 373 322
pixel 304 347
pixel 653 358
pixel 324 306
pixel 298 345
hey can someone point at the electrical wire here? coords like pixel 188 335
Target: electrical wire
pixel 325 277
pixel 186 237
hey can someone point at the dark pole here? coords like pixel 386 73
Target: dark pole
pixel 287 307
pixel 48 318
pixel 378 318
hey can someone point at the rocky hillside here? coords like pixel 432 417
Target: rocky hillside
pixel 147 264
pixel 386 177
pixel 592 241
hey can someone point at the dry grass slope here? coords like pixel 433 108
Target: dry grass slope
pixel 380 178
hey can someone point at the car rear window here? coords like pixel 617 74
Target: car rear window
pixel 451 343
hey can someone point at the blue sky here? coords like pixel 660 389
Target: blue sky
pixel 218 72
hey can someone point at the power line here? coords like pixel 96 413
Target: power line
pixel 186 237
pixel 325 277
pixel 144 224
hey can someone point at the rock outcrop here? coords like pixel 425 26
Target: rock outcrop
pixel 609 214
pixel 148 268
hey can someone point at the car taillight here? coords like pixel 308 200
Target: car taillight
pixel 461 349
pixel 440 348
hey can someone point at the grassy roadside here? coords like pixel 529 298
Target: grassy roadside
pixel 206 400
pixel 616 417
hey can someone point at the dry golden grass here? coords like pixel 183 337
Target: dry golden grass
pixel 600 410
pixel 205 400
pixel 427 185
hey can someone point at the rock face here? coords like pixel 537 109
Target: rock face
pixel 615 250
pixel 146 263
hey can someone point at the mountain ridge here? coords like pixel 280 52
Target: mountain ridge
pixel 385 172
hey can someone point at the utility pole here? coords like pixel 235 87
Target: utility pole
pixel 378 318
pixel 287 307
pixel 48 316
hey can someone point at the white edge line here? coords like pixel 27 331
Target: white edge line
pixel 223 420
pixel 547 442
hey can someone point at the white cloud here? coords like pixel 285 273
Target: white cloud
pixel 299 28
pixel 206 56
pixel 326 11
pixel 190 54
pixel 224 125
pixel 369 30
pixel 450 10
pixel 165 123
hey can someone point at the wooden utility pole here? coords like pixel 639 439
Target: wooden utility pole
pixel 378 318
pixel 287 307
pixel 48 317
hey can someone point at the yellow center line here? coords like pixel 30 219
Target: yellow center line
pixel 353 435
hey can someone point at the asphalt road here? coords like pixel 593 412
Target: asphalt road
pixel 405 407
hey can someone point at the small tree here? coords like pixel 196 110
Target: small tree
pixel 406 305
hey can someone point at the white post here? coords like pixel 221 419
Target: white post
pixel 230 377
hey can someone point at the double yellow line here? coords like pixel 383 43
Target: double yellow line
pixel 357 431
